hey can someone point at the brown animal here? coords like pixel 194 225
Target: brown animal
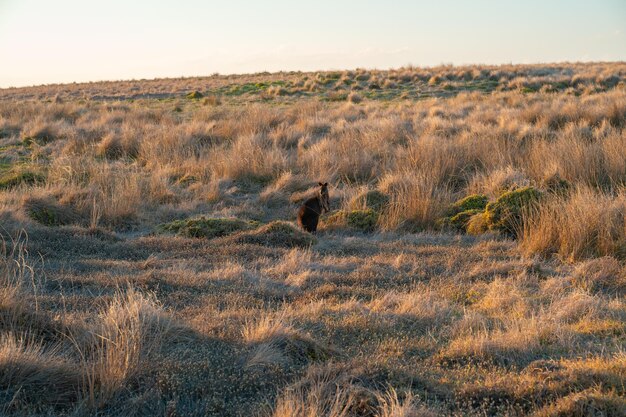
pixel 310 211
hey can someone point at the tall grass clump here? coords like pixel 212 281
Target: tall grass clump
pixel 128 334
pixel 416 201
pixel 35 377
pixel 587 223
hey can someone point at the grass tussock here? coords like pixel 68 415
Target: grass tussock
pixel 586 223
pixel 332 393
pixel 47 211
pixel 130 331
pixel 278 343
pixel 35 378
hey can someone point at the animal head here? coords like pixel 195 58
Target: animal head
pixel 324 199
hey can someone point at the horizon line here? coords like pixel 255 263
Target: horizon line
pixel 391 68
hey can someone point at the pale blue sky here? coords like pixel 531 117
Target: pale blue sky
pixel 48 41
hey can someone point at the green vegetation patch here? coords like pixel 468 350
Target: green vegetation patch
pixel 251 88
pixel 206 227
pixel 477 224
pixel 362 220
pixel 275 234
pixel 459 214
pixel 505 214
pixel 459 221
pixel 48 211
pixel 15 178
pixel 471 202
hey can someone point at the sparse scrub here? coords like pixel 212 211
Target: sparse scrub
pixel 458 324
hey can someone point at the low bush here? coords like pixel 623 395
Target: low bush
pixel 505 214
pixel 459 221
pixel 206 227
pixel 363 220
pixel 459 214
pixel 471 202
pixel 477 224
pixel 275 234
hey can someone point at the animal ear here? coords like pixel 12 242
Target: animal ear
pixel 325 184
pixel 320 184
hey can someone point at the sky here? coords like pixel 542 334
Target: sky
pixel 60 41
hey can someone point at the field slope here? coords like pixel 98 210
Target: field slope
pixel 473 262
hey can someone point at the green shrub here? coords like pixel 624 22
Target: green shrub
pixel 12 179
pixel 477 224
pixel 459 221
pixel 505 214
pixel 364 220
pixel 459 214
pixel 471 202
pixel 206 227
pixel 371 199
pixel 334 219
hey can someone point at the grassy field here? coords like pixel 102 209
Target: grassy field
pixel 473 261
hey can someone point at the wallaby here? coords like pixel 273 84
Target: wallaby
pixel 309 213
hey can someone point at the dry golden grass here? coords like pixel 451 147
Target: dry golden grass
pixel 128 334
pixel 385 313
pixel 586 223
